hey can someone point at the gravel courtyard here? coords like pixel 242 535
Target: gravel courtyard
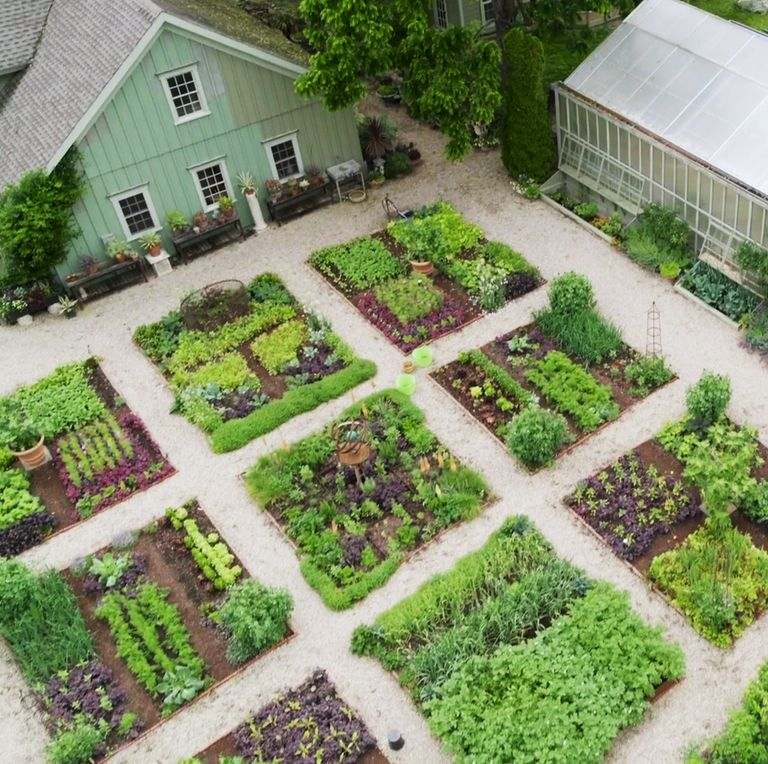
pixel 693 340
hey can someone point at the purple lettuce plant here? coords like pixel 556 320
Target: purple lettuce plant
pixel 630 503
pixel 26 533
pixel 408 336
pixel 146 467
pixel 305 725
pixel 89 691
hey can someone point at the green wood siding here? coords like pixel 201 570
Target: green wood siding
pixel 134 142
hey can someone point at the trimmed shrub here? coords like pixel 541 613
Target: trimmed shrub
pixel 570 293
pixel 526 135
pixel 257 618
pixel 535 435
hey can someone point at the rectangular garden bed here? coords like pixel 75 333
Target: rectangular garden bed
pixel 647 507
pixel 101 454
pixel 257 361
pixel 472 275
pixel 515 654
pixel 525 367
pixel 353 526
pixel 277 732
pixel 137 630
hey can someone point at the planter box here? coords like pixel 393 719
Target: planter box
pixel 285 207
pixel 680 289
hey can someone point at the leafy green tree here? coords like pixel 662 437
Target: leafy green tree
pixel 36 223
pixel 450 76
pixel 526 135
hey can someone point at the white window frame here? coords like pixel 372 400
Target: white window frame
pixel 116 198
pixel 293 138
pixel 441 12
pixel 212 163
pixel 487 19
pixel 203 111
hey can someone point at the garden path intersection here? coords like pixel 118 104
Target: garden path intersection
pixel 693 340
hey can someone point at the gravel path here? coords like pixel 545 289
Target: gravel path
pixel 693 340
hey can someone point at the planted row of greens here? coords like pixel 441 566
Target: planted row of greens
pixel 169 648
pixel 714 573
pixel 473 275
pixel 515 655
pixel 549 384
pixel 251 373
pixel 353 525
pixel 101 454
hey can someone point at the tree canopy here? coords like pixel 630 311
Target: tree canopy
pixel 450 76
pixel 36 223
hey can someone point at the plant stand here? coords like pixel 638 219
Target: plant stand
pixel 161 263
pixel 259 223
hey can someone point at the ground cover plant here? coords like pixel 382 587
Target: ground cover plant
pixel 308 723
pixel 352 528
pixel 709 568
pixel 549 384
pixel 254 372
pixel 133 632
pixel 101 454
pixel 472 275
pixel 514 655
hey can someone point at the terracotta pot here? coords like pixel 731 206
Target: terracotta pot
pixel 155 250
pixel 229 213
pixel 425 267
pixel 354 453
pixel 32 457
pixel 120 257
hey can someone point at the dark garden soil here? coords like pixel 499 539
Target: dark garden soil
pixel 169 565
pixel 47 485
pixel 651 452
pixel 485 410
pixel 456 300
pixel 44 483
pixel 225 746
pixel 380 532
pixel 273 386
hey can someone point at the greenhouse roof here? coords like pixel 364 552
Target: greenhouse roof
pixel 697 81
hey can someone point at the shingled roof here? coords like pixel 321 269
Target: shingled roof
pixel 21 22
pixel 83 45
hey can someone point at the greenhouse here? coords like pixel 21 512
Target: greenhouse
pixel 672 108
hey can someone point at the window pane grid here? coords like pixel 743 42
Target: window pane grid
pixel 212 183
pixel 284 157
pixel 136 212
pixel 184 95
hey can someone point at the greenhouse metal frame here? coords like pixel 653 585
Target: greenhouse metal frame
pixel 673 108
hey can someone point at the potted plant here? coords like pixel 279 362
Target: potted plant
pixel 200 220
pixel 226 207
pixel 88 264
pixel 246 183
pixel 388 93
pixel 151 242
pixel 315 175
pixel 19 435
pixel 177 221
pixel 274 188
pixel 68 306
pixel 119 250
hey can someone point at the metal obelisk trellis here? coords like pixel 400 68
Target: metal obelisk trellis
pixel 653 332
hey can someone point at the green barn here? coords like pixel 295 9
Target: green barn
pixel 167 102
